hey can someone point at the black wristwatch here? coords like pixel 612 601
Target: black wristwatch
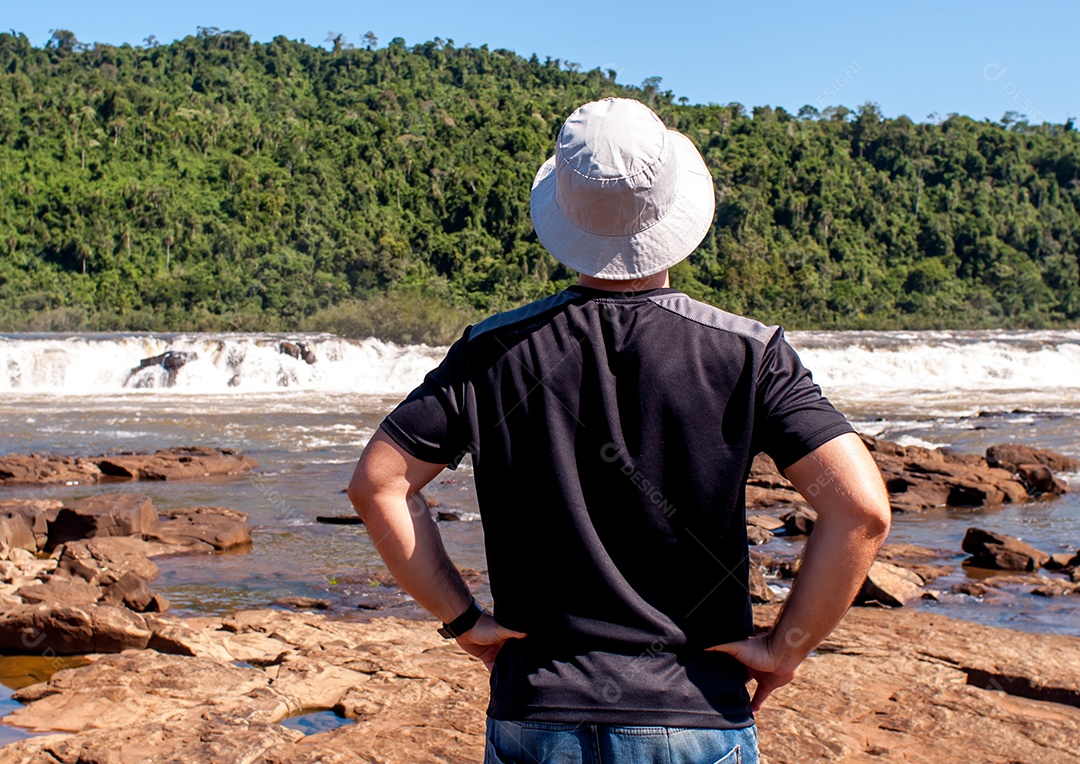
pixel 463 622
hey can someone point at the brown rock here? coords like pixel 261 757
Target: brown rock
pixel 996 550
pixel 176 463
pixel 170 360
pixel 784 565
pixel 888 686
pixel 107 559
pixel 46 469
pixel 757 536
pixel 122 514
pixel 352 519
pixel 61 591
pixel 889 585
pixel 759 587
pixel 919 478
pixel 36 513
pixel 1055 588
pixel 130 591
pixel 926 573
pixel 913 686
pixel 303 603
pixel 965 493
pixel 69 630
pixel 1062 560
pixel 970 588
pixel 1039 480
pixel 220 527
pixel 23 572
pixel 15 533
pixel 799 521
pixel 1008 580
pixel 167 464
pixel 767 522
pixel 769 498
pixel 290 349
pixel 912 553
pixel 763 473
pixel 1010 456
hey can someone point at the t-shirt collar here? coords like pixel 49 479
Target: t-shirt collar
pixel 593 293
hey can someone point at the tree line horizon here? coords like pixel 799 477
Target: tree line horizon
pixel 215 183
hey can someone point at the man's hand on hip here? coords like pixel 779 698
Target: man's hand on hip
pixel 842 482
pixel 762 663
pixel 486 638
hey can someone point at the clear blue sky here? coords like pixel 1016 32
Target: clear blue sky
pixel 914 57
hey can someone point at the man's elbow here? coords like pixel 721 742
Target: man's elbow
pixel 361 490
pixel 876 516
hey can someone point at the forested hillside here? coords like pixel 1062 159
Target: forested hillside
pixel 217 183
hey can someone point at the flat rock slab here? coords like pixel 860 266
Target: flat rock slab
pixel 183 462
pixel 415 696
pixel 107 559
pixel 921 478
pixel 34 514
pixel 887 686
pixel 909 686
pixel 989 549
pixel 123 514
pixel 219 527
pixel 47 469
pixel 889 585
pixel 70 630
pixel 176 463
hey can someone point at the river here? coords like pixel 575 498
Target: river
pixel 307 423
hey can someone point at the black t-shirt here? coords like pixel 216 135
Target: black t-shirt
pixel 611 437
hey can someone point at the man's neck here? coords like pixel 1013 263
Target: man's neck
pixel 656 281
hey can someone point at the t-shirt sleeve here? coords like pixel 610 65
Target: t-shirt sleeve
pixel 432 423
pixel 793 416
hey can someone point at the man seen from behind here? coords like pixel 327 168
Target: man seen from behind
pixel 612 427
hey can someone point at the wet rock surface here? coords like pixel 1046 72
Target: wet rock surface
pixel 897 686
pixel 182 462
pixel 109 515
pixel 989 549
pixel 88 594
pixel 920 478
pixel 176 463
pixel 890 585
pixel 890 685
pixel 1011 457
pixel 909 686
pixel 43 469
pixel 216 527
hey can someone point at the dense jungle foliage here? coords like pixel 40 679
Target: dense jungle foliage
pixel 219 183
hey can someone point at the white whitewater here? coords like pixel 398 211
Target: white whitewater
pixel 942 360
pixel 239 363
pixel 856 366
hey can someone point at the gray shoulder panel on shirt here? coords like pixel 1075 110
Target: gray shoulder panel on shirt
pixel 524 313
pixel 707 315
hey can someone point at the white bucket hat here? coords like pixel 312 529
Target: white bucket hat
pixel 623 197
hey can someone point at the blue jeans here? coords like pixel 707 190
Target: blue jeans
pixel 554 743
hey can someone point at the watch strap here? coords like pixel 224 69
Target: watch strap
pixel 463 622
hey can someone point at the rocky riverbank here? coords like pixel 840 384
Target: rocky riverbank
pixel 166 464
pixel 887 686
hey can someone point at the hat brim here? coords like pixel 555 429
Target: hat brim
pixel 639 255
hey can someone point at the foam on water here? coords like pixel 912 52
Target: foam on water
pixel 91 364
pixel 853 366
pixel 942 361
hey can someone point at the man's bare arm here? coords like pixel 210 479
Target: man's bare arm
pixel 842 483
pixel 385 490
